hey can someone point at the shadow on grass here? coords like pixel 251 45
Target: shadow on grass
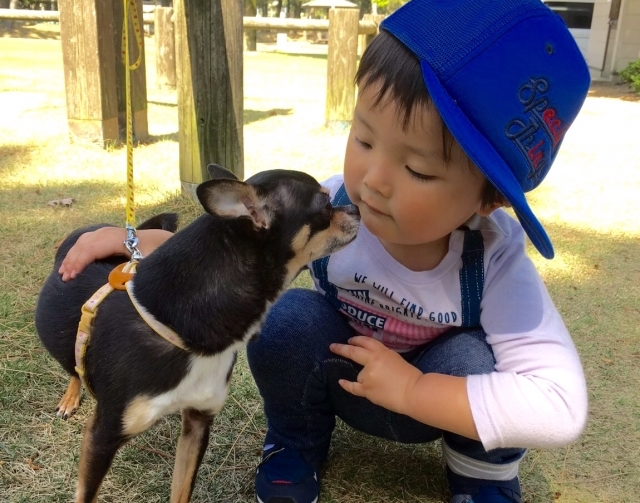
pixel 161 137
pixel 16 153
pixel 29 29
pixel 403 472
pixel 36 226
pixel 162 104
pixel 312 55
pixel 250 116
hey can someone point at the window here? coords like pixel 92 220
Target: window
pixel 575 14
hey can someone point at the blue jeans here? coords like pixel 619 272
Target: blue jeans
pixel 297 376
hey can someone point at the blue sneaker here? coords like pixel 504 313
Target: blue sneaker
pixel 468 490
pixel 285 476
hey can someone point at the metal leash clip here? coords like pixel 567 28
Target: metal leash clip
pixel 132 243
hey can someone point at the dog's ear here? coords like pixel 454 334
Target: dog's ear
pixel 234 199
pixel 217 172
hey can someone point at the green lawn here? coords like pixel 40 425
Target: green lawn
pixel 589 205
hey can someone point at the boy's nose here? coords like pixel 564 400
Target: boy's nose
pixel 377 179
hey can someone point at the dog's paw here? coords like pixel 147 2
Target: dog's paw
pixel 65 411
pixel 70 401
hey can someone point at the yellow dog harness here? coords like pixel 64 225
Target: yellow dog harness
pixel 119 279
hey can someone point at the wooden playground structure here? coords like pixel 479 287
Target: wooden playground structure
pixel 200 52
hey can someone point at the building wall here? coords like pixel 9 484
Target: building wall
pixel 627 47
pixel 619 38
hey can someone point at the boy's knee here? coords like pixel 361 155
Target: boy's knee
pixel 300 318
pixel 294 313
pixel 480 358
pixel 461 354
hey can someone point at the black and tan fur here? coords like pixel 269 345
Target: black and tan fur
pixel 212 283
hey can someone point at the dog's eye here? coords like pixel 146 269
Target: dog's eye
pixel 328 206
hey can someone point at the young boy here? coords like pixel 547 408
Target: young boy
pixel 433 323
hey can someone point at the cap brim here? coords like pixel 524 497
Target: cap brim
pixel 485 157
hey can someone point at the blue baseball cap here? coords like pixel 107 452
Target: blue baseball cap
pixel 507 78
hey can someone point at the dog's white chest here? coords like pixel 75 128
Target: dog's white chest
pixel 204 388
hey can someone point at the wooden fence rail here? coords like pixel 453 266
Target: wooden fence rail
pixel 365 27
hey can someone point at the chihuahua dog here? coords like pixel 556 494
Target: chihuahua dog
pixel 212 284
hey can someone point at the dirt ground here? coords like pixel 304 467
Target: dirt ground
pixel 604 89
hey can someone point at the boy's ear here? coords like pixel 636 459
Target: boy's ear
pixel 500 202
pixel 232 199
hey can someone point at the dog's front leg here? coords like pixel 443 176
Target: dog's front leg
pixel 100 443
pixel 192 445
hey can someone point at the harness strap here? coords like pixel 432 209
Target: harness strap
pixel 85 328
pixel 159 328
pixel 119 279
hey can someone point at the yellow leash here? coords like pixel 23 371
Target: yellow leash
pixel 130 10
pixel 121 275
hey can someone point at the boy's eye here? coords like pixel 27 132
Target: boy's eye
pixel 420 176
pixel 362 143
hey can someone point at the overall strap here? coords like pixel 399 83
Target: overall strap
pixel 472 277
pixel 320 266
pixel 341 198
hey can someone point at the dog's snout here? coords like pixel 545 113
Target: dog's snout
pixel 349 209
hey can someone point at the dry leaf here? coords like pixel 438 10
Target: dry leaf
pixel 67 202
pixel 32 463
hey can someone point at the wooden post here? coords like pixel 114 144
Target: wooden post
pixel 210 96
pixel 86 33
pixel 165 38
pixel 91 38
pixel 138 76
pixel 341 66
pixel 250 36
pixel 364 39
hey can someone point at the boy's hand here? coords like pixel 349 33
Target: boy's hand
pixel 386 378
pixel 107 242
pixel 92 246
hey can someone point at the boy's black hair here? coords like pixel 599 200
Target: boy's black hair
pixel 387 62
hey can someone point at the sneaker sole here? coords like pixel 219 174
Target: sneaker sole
pixel 260 501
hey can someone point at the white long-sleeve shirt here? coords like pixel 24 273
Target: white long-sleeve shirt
pixel 536 397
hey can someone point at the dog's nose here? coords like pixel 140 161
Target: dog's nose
pixel 349 209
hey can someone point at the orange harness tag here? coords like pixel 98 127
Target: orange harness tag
pixel 118 278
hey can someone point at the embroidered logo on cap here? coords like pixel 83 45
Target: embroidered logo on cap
pixel 538 138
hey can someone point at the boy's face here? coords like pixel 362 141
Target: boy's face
pixel 408 196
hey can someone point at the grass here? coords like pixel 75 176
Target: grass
pixel 588 204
